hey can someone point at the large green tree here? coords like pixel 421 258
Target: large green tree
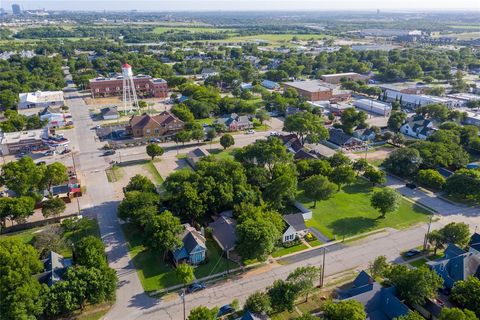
pixel 466 293
pixel 19 290
pixel 55 173
pixel 90 252
pixel 318 188
pixel 258 303
pixel 307 127
pixel 227 141
pixel 403 162
pixel 385 200
pixel 53 207
pixel 256 238
pixel 283 295
pixel 163 231
pixel 23 176
pixel 414 285
pixel 342 175
pixel 139 183
pixel 154 150
pixel 457 314
pixel 352 118
pixel 203 313
pixel 305 278
pixel 15 208
pixel 345 309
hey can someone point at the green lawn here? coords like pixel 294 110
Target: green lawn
pixel 208 121
pixel 154 274
pixel 349 212
pixel 154 172
pixel 161 30
pixel 418 263
pixel 221 153
pixel 275 38
pixel 25 236
pixel 279 252
pixel 315 243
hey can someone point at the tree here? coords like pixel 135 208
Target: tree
pixel 307 127
pixel 350 119
pixel 137 205
pixel 15 208
pixel 154 150
pixel 53 207
pixel 431 178
pixel 262 115
pixel 457 314
pixel 90 252
pixel 464 183
pixel 142 104
pixel 404 162
pixel 203 313
pixel 379 266
pixel 23 176
pixel 163 231
pixel 307 316
pixel 183 136
pixel 466 293
pixel 304 278
pixel 258 303
pixel 385 200
pixel 20 291
pixel 398 139
pixel 435 238
pixel 339 159
pixel 345 309
pixel 256 238
pixel 227 141
pixel 414 285
pixel 183 112
pixel 360 165
pixel 342 175
pixel 140 183
pixel 55 173
pixel 198 134
pixel 184 273
pixel 282 295
pixel 318 188
pixel 375 176
pixel 456 233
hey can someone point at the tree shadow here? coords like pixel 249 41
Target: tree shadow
pixel 358 187
pixel 352 225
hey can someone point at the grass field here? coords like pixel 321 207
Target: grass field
pixel 25 236
pixel 418 263
pixel 222 154
pixel 208 121
pixel 154 274
pixel 273 38
pixel 349 212
pixel 279 252
pixel 154 172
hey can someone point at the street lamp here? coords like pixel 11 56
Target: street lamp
pixel 183 301
pixel 425 241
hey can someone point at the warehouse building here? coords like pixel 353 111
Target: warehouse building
pixel 15 142
pixel 372 106
pixel 315 90
pixel 336 78
pixel 40 99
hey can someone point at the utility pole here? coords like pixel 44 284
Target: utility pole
pixel 75 169
pixel 183 299
pixel 322 272
pixel 425 241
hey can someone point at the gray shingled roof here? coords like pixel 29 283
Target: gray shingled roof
pixel 296 221
pixel 223 230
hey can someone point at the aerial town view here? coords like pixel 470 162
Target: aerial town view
pixel 240 160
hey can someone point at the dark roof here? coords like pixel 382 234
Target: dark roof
pixel 223 231
pixel 456 266
pixel 208 70
pixel 475 241
pixel 302 154
pixel 195 155
pixel 60 189
pixel 48 110
pixel 193 239
pixel 296 221
pixel 362 283
pixel 109 111
pixel 55 266
pixel 338 137
pixel 250 316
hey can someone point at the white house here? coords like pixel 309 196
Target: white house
pixel 208 72
pixel 40 99
pixel 418 127
pixel 295 227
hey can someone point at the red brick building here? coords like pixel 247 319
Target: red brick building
pixel 146 86
pixel 161 125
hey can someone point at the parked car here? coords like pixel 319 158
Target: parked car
pixel 154 140
pixel 273 133
pixel 412 253
pixel 194 287
pixel 49 153
pixel 250 131
pixel 411 185
pixel 224 310
pixel 65 151
pixel 109 152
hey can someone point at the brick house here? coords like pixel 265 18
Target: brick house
pixel 146 86
pixel 163 124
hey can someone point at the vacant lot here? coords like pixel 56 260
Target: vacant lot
pixel 349 212
pixel 155 274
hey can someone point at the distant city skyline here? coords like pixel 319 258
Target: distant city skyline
pixel 245 5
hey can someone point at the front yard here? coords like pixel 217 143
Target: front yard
pixel 155 274
pixel 349 212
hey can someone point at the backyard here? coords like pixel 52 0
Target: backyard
pixel 349 212
pixel 155 274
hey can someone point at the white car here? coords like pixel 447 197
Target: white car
pixel 250 132
pixel 273 133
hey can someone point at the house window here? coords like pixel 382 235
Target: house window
pixel 156 131
pixel 148 131
pixel 96 90
pixel 107 89
pixel 118 88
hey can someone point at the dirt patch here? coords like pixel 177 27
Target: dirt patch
pixel 378 154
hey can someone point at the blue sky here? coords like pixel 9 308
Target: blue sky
pixel 243 5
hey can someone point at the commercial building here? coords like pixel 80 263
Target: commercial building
pixel 16 10
pixel 405 87
pixel 336 77
pixel 417 100
pixel 373 106
pixel 145 86
pixel 15 142
pixel 40 99
pixel 146 126
pixel 315 90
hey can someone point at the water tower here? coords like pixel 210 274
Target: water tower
pixel 129 92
